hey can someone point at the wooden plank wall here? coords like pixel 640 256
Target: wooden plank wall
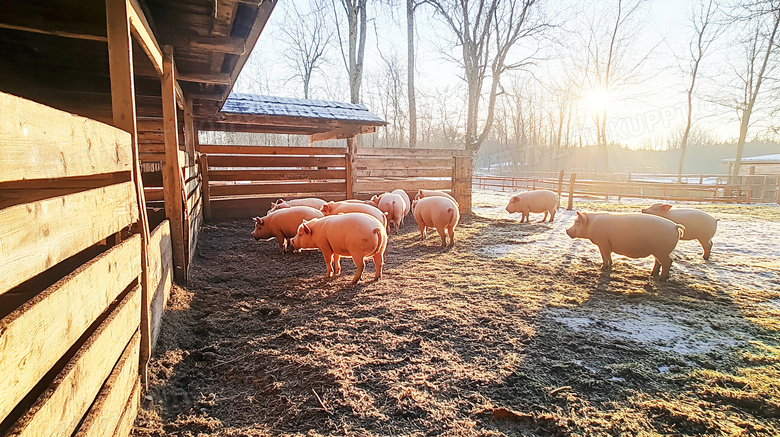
pixel 70 293
pixel 243 180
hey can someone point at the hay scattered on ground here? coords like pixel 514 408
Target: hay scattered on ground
pixel 460 341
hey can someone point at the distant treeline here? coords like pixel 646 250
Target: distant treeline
pixel 705 159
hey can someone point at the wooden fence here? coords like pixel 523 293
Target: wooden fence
pixel 242 181
pixel 748 189
pixel 71 301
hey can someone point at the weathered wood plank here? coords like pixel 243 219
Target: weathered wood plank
pixel 196 224
pixel 253 189
pixel 39 142
pixel 194 199
pixel 38 235
pixel 275 175
pixel 411 153
pixel 406 173
pixel 59 409
pixel 129 413
pixel 160 275
pixel 363 186
pixel 274 161
pixel 399 163
pixel 270 150
pixel 247 207
pixel 205 175
pixel 103 417
pixel 36 335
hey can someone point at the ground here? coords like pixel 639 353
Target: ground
pixel 514 331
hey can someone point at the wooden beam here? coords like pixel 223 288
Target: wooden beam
pixel 342 133
pixel 172 180
pixel 59 33
pixel 120 59
pixel 160 275
pixel 275 161
pixel 189 131
pixel 38 142
pixel 277 189
pixel 211 78
pixel 222 44
pixel 270 150
pixel 204 171
pixel 144 35
pixel 349 163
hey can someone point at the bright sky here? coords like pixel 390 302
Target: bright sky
pixel 640 114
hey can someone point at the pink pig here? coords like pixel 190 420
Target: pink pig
pixel 536 201
pixel 437 212
pixel 393 205
pixel 407 202
pixel 353 235
pixel 698 224
pixel 313 202
pixel 631 235
pixel 343 207
pixel 283 224
pixel 433 193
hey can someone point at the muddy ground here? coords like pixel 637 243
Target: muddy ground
pixel 514 331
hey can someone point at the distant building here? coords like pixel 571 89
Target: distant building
pixel 756 165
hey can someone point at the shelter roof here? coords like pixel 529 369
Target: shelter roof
pixel 773 158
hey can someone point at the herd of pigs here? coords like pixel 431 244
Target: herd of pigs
pixel 358 229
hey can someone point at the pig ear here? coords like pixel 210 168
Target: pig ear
pixel 582 217
pixel 666 207
pixel 306 228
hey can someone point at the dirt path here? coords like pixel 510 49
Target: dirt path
pixel 512 332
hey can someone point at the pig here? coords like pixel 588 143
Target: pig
pixel 353 235
pixel 535 201
pixel 332 208
pixel 407 202
pixel 631 235
pixel 698 224
pixel 393 205
pixel 313 202
pixel 437 212
pixel 283 224
pixel 431 193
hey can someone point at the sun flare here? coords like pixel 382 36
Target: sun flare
pixel 597 99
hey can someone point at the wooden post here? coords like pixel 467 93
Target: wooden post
pixel 462 174
pixel 350 165
pixel 204 185
pixel 120 59
pixel 560 187
pixel 572 178
pixel 172 181
pixel 189 131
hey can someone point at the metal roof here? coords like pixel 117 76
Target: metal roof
pixel 761 159
pixel 251 104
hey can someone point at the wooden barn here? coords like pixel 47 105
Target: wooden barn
pixel 103 186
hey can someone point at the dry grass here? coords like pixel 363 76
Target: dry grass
pixel 448 342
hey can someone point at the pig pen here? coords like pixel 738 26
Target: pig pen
pixel 514 331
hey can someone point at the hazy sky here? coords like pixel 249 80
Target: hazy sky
pixel 641 113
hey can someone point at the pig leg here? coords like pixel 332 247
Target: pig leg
pixel 544 218
pixel 451 231
pixel 282 243
pixel 552 215
pixel 328 255
pixel 423 232
pixel 360 263
pixel 662 263
pixel 606 257
pixel 707 246
pixel 336 264
pixel 443 236
pixel 379 260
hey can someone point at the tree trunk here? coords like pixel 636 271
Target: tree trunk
pixel 410 74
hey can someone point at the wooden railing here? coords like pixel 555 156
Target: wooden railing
pixel 71 305
pixel 240 181
pixel 752 189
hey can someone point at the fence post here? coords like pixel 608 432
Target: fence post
pixel 350 165
pixel 560 187
pixel 571 190
pixel 462 175
pixel 204 182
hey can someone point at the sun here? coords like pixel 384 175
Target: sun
pixel 597 99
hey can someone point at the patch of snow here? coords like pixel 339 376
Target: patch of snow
pixel 683 331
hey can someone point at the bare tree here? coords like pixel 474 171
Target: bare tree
pixel 486 31
pixel 308 35
pixel 609 63
pixel 762 20
pixel 702 21
pixel 411 6
pixel 356 43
